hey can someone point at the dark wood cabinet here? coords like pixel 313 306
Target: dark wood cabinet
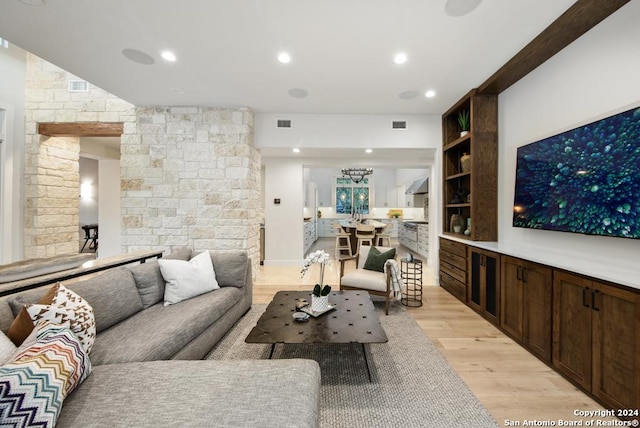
pixel 526 304
pixel 470 186
pixel 596 338
pixel 483 291
pixel 453 268
pixel 587 329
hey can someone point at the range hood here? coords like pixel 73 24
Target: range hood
pixel 419 186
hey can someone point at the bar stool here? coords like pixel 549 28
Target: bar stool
pixel 366 234
pixel 90 238
pixel 383 239
pixel 343 242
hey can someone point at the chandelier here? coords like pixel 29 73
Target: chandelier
pixel 357 174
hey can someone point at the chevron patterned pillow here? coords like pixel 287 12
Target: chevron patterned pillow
pixel 36 382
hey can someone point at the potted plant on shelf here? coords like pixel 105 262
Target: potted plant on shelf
pixel 463 122
pixel 320 296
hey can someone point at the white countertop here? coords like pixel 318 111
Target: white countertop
pixel 350 223
pixel 624 275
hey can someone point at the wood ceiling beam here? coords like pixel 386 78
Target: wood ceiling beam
pixel 81 129
pixel 577 20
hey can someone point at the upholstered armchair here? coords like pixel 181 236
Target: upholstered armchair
pixel 376 282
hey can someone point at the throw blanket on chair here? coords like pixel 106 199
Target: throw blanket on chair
pixel 393 267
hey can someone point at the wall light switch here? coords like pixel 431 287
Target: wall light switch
pixel 276 201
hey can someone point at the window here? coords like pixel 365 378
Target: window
pixel 351 198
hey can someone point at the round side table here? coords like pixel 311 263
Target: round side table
pixel 411 272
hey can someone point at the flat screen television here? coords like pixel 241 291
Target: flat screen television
pixel 585 180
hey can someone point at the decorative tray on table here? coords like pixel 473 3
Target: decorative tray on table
pixel 316 314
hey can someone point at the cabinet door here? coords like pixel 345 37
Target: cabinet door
pixel 616 353
pixel 492 286
pixel 537 292
pixel 484 283
pixel 572 327
pixel 511 301
pixel 475 280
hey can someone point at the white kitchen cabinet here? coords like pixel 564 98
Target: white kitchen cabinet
pixel 325 228
pixel 386 196
pixel 415 237
pixel 423 240
pixel 309 235
pixel 395 222
pixel 408 236
pixel 324 195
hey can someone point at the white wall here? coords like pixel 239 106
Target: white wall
pixel 386 181
pixel 283 222
pixel 594 77
pixel 283 176
pixel 12 93
pixel 348 131
pixel 88 208
pixel 109 209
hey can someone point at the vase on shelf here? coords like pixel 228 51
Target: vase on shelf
pixel 463 133
pixel 465 162
pixel 456 223
pixel 467 231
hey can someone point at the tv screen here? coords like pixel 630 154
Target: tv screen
pixel 586 180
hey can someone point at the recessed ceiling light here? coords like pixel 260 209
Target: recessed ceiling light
pixel 138 56
pixel 408 95
pixel 368 151
pixel 33 2
pixel 284 57
pixel 400 58
pixel 168 56
pixel 460 7
pixel 430 93
pixel 298 92
pixel 296 150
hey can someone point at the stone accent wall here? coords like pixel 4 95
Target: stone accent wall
pixel 52 187
pixel 51 197
pixel 191 176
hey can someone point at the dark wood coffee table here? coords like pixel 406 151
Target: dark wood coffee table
pixel 354 320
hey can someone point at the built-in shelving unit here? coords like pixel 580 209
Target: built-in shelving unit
pixel 473 192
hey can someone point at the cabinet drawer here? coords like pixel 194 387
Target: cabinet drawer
pixel 453 271
pixel 453 286
pixel 423 248
pixel 454 247
pixel 453 259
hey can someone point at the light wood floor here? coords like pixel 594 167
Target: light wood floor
pixel 510 382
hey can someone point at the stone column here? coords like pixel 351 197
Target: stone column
pixel 191 176
pixel 52 188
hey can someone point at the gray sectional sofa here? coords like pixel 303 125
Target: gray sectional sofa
pixel 132 382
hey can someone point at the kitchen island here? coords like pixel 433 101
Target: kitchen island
pixel 350 228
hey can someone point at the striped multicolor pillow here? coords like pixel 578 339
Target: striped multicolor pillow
pixel 38 379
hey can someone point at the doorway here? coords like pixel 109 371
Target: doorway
pixel 98 189
pixel 99 204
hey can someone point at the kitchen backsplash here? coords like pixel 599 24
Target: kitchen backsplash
pixel 382 212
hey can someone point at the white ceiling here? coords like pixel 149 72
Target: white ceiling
pixel 226 51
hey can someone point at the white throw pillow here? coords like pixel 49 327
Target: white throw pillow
pixel 185 280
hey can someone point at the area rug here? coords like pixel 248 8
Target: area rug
pixel 412 384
